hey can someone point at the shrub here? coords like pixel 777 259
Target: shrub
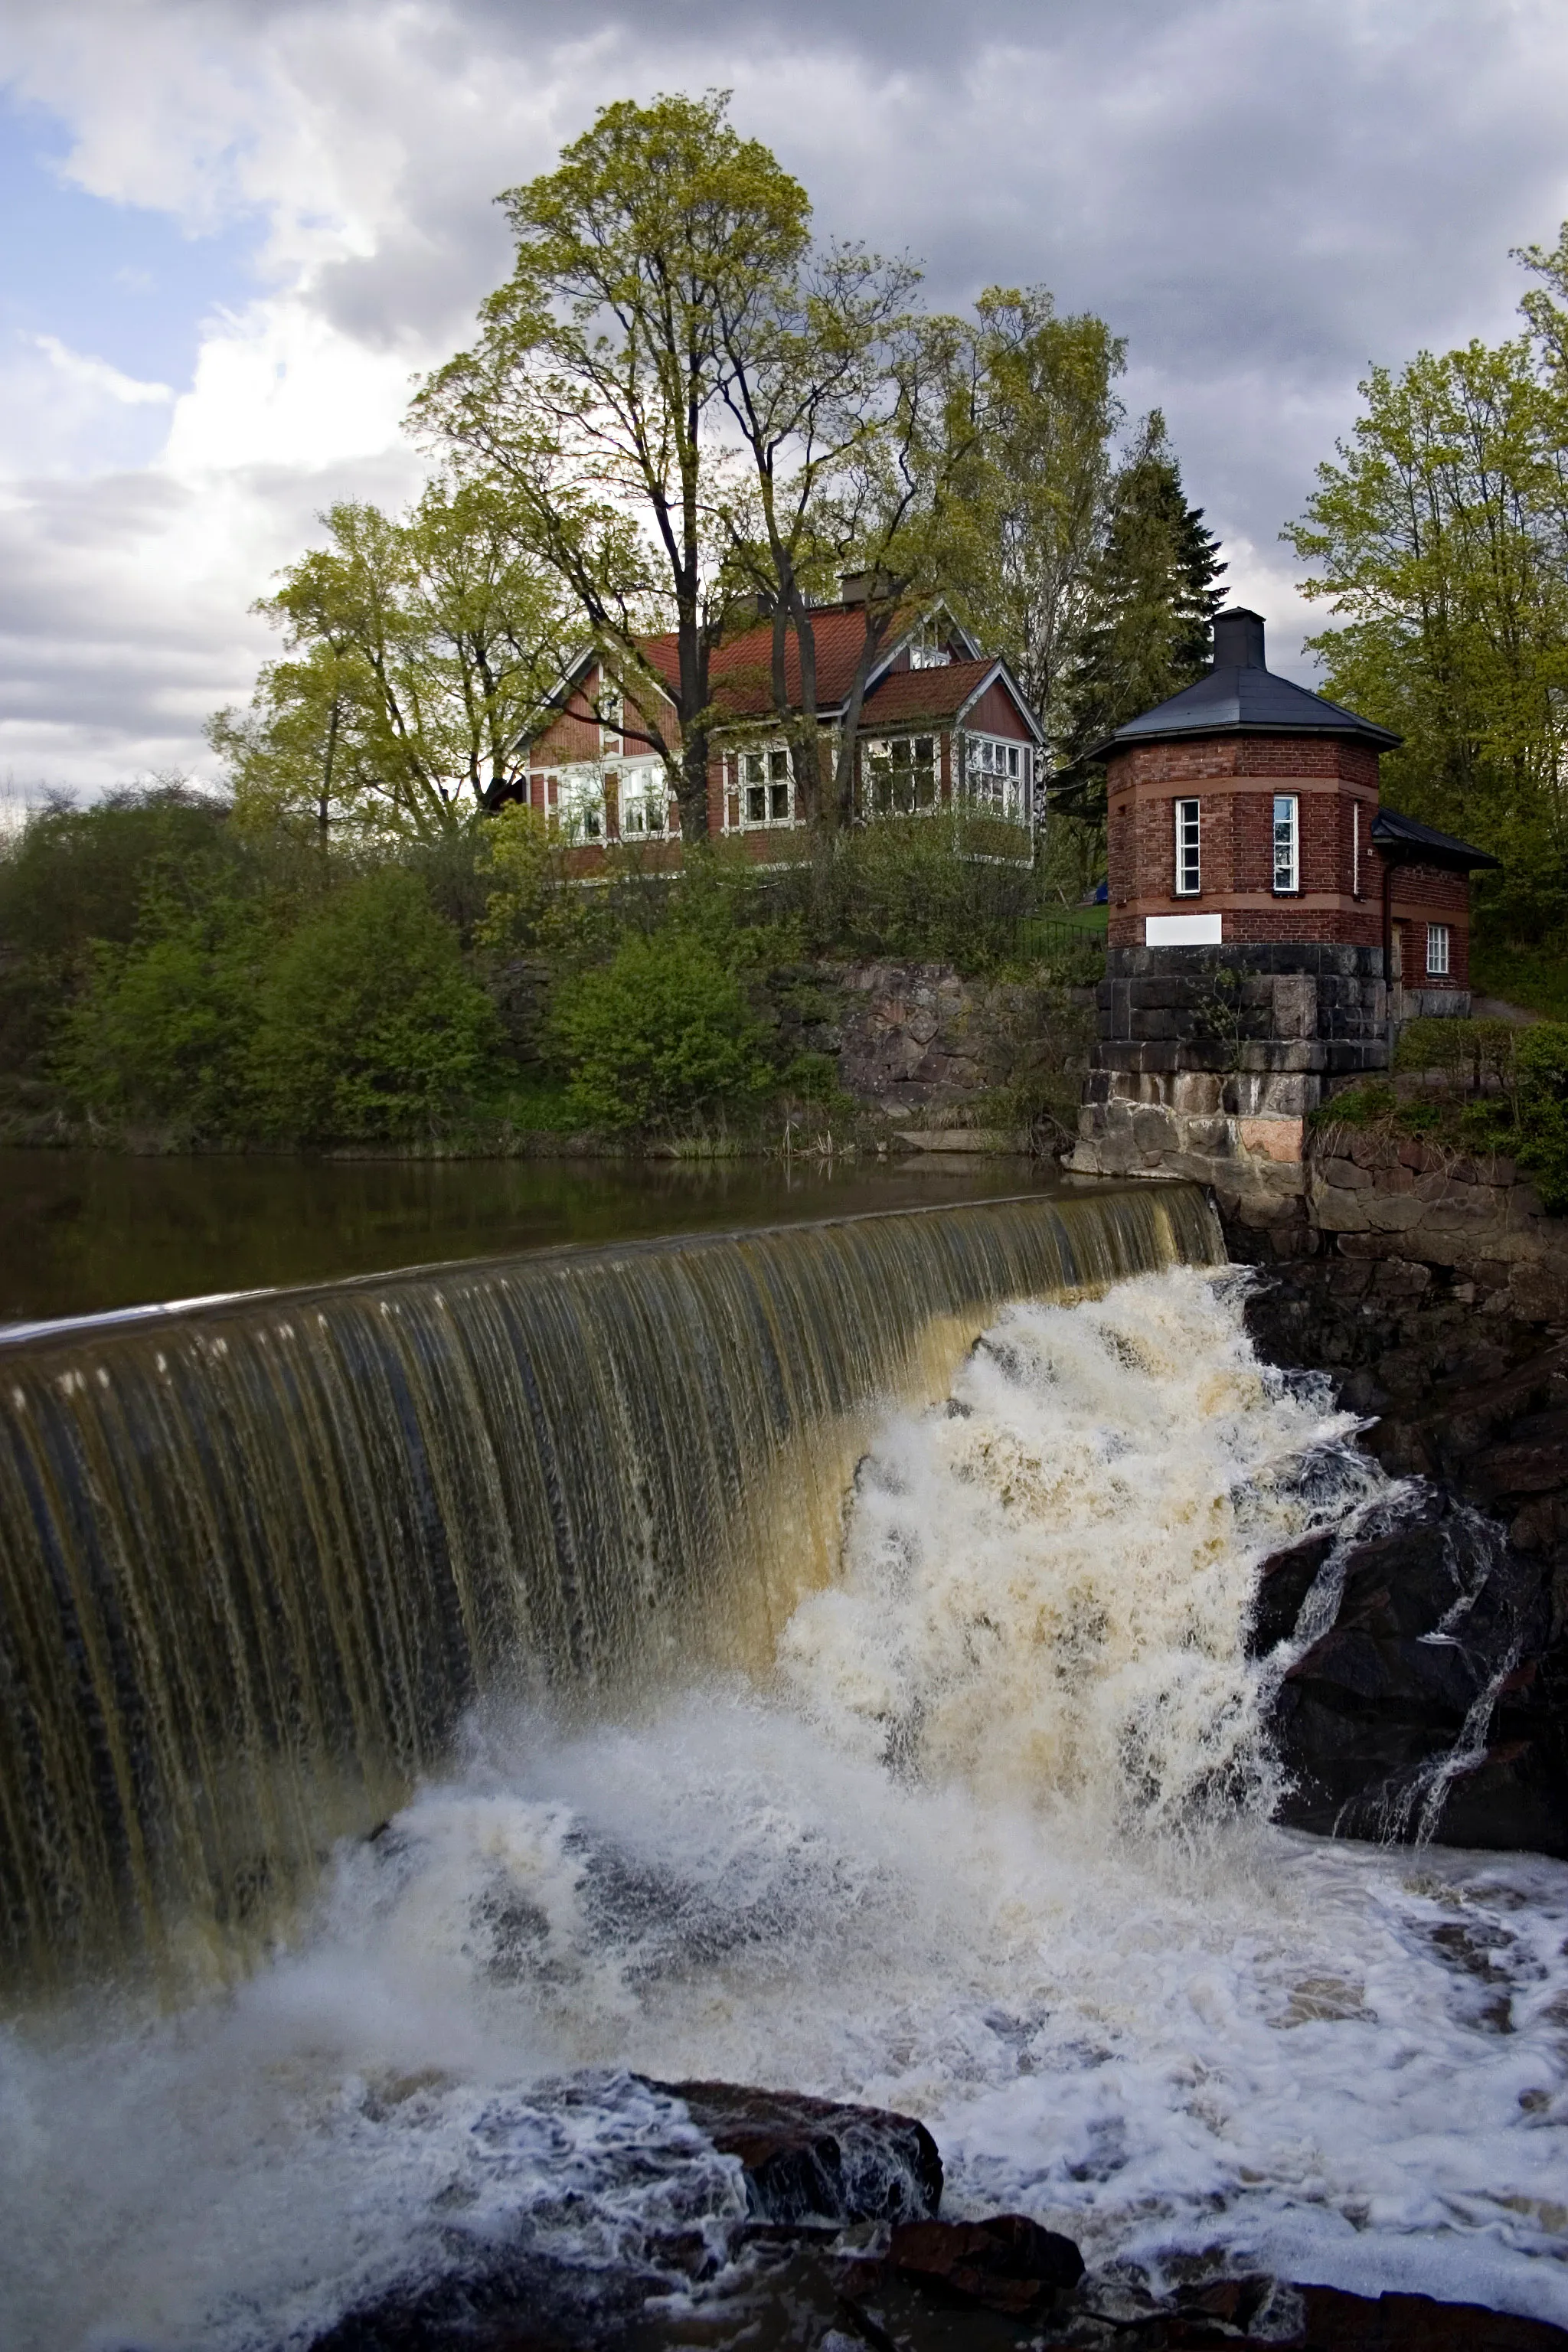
pixel 662 1031
pixel 161 1030
pixel 1540 1058
pixel 369 1025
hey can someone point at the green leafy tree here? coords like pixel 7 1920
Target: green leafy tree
pixel 426 649
pixel 592 402
pixel 368 1025
pixel 1051 411
pixel 662 1033
pixel 1438 539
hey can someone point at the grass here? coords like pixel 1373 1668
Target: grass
pixel 1535 977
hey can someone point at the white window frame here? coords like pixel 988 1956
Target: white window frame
pixel 765 768
pixel 643 798
pixel 1440 942
pixel 998 775
pixel 612 716
pixel 1285 836
pixel 578 806
pixel 1188 844
pixel 927 647
pixel 884 753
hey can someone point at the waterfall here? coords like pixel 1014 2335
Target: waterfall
pixel 257 1557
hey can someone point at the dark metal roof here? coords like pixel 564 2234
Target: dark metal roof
pixel 1424 842
pixel 1241 696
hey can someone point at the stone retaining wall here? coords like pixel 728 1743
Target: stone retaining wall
pixel 1375 1199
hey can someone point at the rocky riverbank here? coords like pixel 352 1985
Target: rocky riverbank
pixel 1433 1698
pixel 838 2245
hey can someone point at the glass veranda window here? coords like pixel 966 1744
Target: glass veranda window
pixel 1287 842
pixel 580 806
pixel 645 797
pixel 996 776
pixel 900 776
pixel 767 794
pixel 1187 864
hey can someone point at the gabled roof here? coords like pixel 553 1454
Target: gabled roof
pixel 905 696
pixel 1414 841
pixel 741 672
pixel 1241 696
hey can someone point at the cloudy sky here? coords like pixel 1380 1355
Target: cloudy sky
pixel 235 230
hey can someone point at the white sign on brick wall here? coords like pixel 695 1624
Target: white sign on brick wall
pixel 1182 931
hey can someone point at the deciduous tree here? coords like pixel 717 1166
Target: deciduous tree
pixel 592 401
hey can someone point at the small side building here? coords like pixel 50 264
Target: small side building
pixel 1269 925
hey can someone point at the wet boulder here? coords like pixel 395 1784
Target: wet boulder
pixel 1006 2262
pixel 817 2159
pixel 1425 1709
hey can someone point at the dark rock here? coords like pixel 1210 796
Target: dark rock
pixel 815 2160
pixel 1336 2321
pixel 1008 2263
pixel 1285 1579
pixel 1369 1721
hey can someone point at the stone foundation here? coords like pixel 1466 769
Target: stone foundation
pixel 1209 1060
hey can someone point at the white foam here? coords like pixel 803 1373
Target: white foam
pixel 992 1850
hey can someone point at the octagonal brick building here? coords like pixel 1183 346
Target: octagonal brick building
pixel 1269 925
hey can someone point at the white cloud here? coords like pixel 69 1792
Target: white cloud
pixel 1262 199
pixel 92 376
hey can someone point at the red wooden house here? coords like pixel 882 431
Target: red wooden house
pixel 942 723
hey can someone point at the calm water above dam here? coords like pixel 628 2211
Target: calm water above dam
pixel 85 1232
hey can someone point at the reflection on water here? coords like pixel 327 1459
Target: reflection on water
pixel 84 1231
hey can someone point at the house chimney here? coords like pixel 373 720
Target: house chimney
pixel 860 587
pixel 1238 639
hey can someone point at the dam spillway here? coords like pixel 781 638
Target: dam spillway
pixel 259 1556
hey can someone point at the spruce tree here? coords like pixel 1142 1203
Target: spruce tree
pixel 1150 602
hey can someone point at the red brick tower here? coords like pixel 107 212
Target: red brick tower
pixel 1259 904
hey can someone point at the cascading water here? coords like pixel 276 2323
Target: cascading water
pixel 986 1842
pixel 257 1557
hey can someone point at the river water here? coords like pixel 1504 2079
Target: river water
pixel 83 1231
pixel 986 1841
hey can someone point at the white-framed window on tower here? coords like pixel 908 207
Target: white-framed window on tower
pixel 766 783
pixel 1189 870
pixel 1287 842
pixel 1437 950
pixel 997 775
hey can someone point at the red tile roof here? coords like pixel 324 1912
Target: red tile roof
pixel 741 672
pixel 934 694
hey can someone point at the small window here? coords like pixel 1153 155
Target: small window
pixel 768 788
pixel 612 716
pixel 1437 950
pixel 1187 867
pixel 1287 844
pixel 900 776
pixel 929 649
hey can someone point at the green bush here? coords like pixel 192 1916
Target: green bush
pixel 161 1029
pixel 662 1032
pixel 1467 1052
pixel 370 1028
pixel 1541 1057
